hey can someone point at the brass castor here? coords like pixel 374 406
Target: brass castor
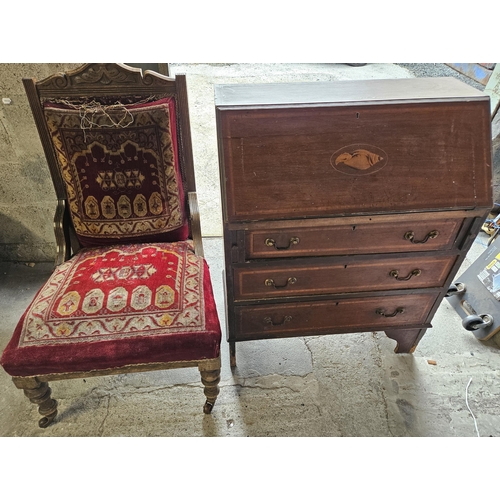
pixel 39 394
pixel 46 421
pixel 207 408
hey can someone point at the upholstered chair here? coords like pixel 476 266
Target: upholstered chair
pixel 131 290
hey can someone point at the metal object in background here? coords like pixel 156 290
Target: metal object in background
pixel 475 295
pixel 480 72
pixel 493 90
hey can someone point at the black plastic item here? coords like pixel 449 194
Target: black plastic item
pixel 455 289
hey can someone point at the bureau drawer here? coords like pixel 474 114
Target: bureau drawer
pixel 354 315
pixel 326 275
pixel 410 235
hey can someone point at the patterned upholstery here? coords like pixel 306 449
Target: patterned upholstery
pixel 115 306
pixel 122 181
pixel 137 294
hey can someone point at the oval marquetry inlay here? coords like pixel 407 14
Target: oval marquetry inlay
pixel 359 159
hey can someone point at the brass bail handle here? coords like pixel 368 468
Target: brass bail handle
pixel 289 281
pixel 410 236
pixel 395 274
pixel 269 321
pixel 381 312
pixel 272 243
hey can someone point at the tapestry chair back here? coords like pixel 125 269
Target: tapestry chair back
pixel 131 290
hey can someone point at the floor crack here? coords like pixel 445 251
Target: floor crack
pixel 100 431
pixel 306 339
pixel 382 392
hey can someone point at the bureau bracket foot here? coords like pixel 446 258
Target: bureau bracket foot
pixel 407 340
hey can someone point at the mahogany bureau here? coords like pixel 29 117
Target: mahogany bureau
pixel 348 206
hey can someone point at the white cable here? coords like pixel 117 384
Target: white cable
pixel 467 403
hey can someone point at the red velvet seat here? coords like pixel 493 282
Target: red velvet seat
pixel 131 290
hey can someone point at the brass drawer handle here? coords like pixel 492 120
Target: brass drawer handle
pixel 269 321
pixel 272 243
pixel 395 274
pixel 410 236
pixel 289 281
pixel 399 310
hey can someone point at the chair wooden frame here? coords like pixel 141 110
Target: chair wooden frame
pixel 113 80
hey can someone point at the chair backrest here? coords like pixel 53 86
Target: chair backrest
pixel 118 146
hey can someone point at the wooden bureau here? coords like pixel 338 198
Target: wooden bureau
pixel 348 206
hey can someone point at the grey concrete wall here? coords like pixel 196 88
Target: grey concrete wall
pixel 27 198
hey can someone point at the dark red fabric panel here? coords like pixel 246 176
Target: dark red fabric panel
pixel 123 183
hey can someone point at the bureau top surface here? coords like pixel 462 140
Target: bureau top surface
pixel 345 92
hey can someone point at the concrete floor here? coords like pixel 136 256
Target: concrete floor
pixel 346 385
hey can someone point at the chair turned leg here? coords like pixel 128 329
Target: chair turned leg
pixel 232 354
pixel 210 378
pixel 39 394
